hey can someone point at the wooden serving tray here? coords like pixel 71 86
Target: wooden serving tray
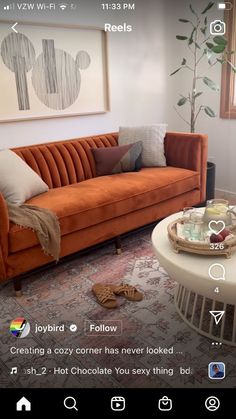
pixel 225 248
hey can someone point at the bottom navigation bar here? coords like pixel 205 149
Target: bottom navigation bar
pixel 109 403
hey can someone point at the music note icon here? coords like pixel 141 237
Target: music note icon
pixel 13 370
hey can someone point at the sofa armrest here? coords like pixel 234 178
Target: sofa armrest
pixel 188 151
pixel 4 230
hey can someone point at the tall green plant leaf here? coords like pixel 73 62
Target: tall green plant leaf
pixel 218 49
pixel 182 101
pixel 209 45
pixel 210 83
pixel 208 7
pixel 209 112
pixel 220 40
pixel 198 94
pixel 221 61
pixel 181 37
pixel 209 57
pixel 190 41
pixel 193 11
pixel 176 71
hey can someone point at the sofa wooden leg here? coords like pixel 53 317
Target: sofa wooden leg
pixel 17 287
pixel 118 245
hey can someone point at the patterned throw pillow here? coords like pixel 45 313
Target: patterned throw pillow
pixel 111 160
pixel 152 137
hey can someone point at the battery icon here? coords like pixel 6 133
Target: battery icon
pixel 225 6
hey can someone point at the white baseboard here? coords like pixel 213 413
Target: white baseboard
pixel 224 194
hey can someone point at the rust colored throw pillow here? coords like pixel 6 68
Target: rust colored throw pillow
pixel 111 160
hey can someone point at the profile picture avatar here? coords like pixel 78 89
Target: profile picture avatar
pixel 216 370
pixel 20 327
pixel 217 27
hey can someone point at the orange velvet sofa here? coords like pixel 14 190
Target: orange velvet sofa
pixel 93 209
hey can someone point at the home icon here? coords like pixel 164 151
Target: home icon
pixel 23 404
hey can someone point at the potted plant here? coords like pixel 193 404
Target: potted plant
pixel 202 47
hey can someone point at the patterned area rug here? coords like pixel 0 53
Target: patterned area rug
pixel 62 295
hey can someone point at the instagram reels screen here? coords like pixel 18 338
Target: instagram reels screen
pixel 117 208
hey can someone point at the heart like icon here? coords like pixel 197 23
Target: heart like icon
pixel 216 226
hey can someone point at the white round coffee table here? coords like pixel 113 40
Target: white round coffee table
pixel 197 293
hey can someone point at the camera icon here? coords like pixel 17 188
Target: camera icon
pixel 217 27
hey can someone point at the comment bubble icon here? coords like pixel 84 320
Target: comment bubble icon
pixel 217 272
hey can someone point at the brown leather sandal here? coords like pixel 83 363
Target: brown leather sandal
pixel 105 296
pixel 127 291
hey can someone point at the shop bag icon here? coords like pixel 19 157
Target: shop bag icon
pixel 165 404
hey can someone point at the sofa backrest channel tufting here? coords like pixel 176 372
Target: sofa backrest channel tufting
pixel 65 162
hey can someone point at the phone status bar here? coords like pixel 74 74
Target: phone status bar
pixel 54 6
pixel 39 6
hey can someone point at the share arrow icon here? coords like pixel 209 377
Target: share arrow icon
pixel 217 315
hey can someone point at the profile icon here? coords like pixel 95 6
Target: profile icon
pixel 216 370
pixel 212 403
pixel 20 327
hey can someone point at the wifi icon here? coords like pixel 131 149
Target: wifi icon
pixel 63 6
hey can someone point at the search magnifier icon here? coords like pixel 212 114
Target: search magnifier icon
pixel 70 403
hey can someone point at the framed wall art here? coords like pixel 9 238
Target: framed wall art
pixel 49 71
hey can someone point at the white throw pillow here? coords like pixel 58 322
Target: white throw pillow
pixel 152 137
pixel 18 182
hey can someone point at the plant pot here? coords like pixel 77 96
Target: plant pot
pixel 210 183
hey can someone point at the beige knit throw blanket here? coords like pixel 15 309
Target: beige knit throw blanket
pixel 43 222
